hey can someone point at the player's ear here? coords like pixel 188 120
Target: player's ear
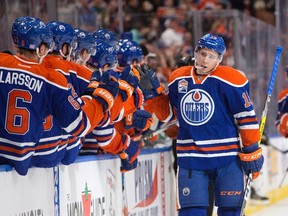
pixel 42 49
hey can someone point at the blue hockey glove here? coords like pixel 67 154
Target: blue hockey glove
pixel 127 83
pixel 96 76
pixel 131 149
pixel 127 166
pixel 94 82
pixel 140 120
pixel 128 76
pixel 112 75
pixel 107 90
pixel 252 160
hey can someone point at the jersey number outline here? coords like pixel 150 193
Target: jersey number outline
pixel 15 112
pixel 247 101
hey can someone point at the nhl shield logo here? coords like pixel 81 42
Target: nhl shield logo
pixel 197 107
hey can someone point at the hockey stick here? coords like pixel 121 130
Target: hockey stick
pixel 124 196
pixel 284 152
pixel 160 130
pixel 279 150
pixel 282 181
pixel 279 50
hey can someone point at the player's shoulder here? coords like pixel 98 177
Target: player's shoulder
pixel 52 76
pixel 230 75
pixel 283 93
pixel 54 62
pixel 6 58
pixel 184 71
pixel 83 72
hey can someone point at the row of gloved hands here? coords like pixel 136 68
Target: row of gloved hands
pixel 140 121
pixel 126 83
pixel 143 77
pixel 104 88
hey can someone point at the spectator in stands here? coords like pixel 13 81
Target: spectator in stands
pixel 90 12
pixel 262 13
pixel 171 40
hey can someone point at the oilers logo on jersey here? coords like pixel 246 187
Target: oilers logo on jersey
pixel 197 107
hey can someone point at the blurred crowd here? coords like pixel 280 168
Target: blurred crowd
pixel 164 26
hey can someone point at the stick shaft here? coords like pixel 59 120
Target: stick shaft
pixel 160 130
pixel 279 51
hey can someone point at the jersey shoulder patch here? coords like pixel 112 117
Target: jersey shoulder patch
pixel 230 75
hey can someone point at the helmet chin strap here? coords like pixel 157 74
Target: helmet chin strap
pixel 80 60
pixel 65 56
pixel 41 57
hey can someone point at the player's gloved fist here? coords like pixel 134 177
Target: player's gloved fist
pixel 131 149
pixel 112 75
pixel 138 98
pixel 252 160
pixel 128 75
pixel 127 83
pixel 144 77
pixel 107 90
pixel 127 166
pixel 125 90
pixel 140 120
pixel 94 82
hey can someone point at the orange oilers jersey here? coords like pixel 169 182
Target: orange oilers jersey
pixel 30 92
pixel 282 114
pixel 78 78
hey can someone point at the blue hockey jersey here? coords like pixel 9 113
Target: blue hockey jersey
pixel 214 113
pixel 29 93
pixel 56 145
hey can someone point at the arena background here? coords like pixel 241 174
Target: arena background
pixel 251 37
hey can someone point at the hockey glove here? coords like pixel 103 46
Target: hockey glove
pixel 94 82
pixel 150 84
pixel 131 149
pixel 107 90
pixel 127 166
pixel 129 77
pixel 138 98
pixel 140 120
pixel 252 160
pixel 144 77
pixel 127 83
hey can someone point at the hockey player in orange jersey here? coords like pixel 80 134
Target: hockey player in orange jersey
pixel 109 139
pixel 36 92
pixel 78 77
